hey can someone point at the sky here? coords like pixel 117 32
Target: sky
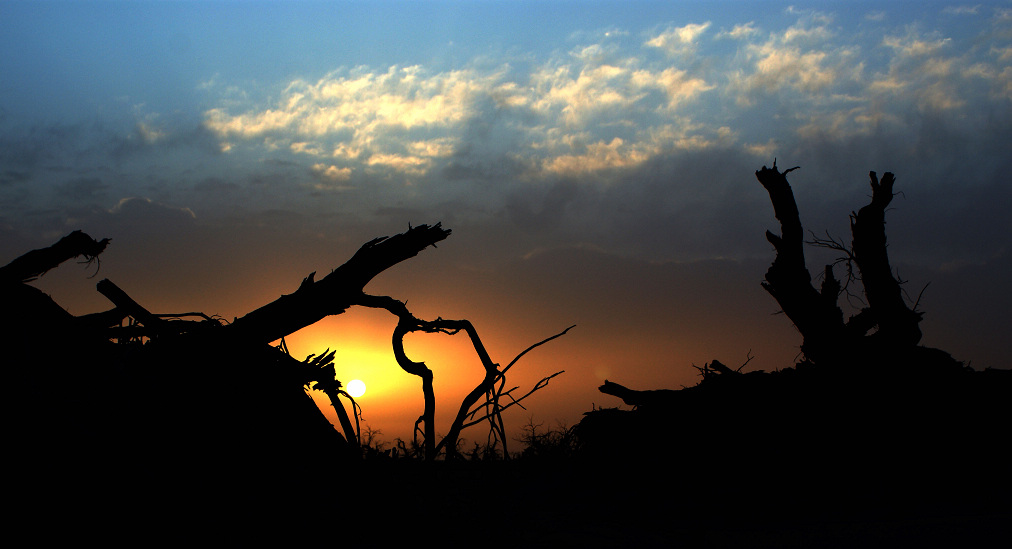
pixel 595 161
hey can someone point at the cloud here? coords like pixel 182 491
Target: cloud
pixel 83 189
pixel 677 85
pixel 595 119
pixel 740 32
pixel 331 173
pixel 597 156
pixel 678 41
pixel 145 209
pixel 359 113
pixel 962 10
pixel 801 58
pixel 595 89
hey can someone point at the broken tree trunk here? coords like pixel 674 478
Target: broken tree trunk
pixel 897 323
pixel 331 295
pixel 815 313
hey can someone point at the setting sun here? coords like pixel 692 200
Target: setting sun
pixel 356 388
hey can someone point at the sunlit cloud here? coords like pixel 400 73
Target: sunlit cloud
pixel 145 209
pixel 597 156
pixel 353 114
pixel 607 104
pixel 679 40
pixel 331 172
pixel 575 98
pixel 149 133
pixel 403 163
pixel 740 32
pixel 912 45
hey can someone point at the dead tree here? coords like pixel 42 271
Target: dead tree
pixel 197 357
pixel 886 329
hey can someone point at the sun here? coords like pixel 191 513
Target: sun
pixel 355 388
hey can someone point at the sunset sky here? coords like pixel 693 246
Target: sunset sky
pixel 595 161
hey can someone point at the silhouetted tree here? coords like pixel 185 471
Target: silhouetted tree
pixel 886 330
pixel 215 385
pixel 864 384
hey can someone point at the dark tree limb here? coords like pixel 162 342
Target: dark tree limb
pixel 35 263
pixel 334 293
pixel 126 304
pixel 898 324
pixel 633 397
pixel 408 323
pixel 493 408
pixel 815 314
pixel 541 384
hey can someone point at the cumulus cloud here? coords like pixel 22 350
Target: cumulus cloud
pixel 740 32
pixel 597 156
pixel 800 58
pixel 605 112
pixel 352 114
pixel 331 172
pixel 677 41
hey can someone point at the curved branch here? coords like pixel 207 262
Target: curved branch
pixel 408 323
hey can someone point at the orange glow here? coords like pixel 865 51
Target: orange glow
pixel 362 340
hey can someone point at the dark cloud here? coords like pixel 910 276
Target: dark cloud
pixel 544 208
pixel 83 189
pixel 11 177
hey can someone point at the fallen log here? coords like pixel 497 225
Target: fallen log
pixel 633 397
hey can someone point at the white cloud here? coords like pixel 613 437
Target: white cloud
pixel 358 113
pixel 408 164
pixel 921 73
pixel 803 58
pixel 776 67
pixel 605 106
pixel 740 32
pixel 676 84
pixel 332 172
pixel 679 40
pixel 149 134
pixel 913 45
pixel 597 156
pixel 594 89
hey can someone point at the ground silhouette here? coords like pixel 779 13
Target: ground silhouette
pixel 190 421
pixel 904 441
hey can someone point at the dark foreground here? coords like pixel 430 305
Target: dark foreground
pixel 654 501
